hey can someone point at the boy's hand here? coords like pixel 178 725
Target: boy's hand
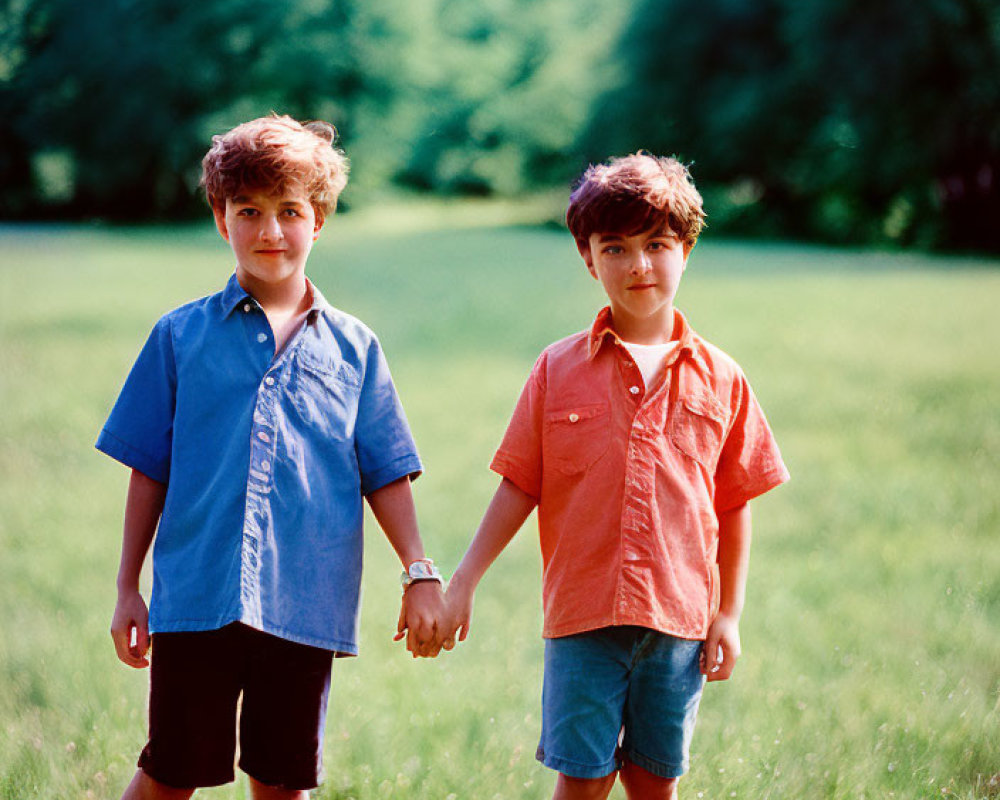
pixel 722 648
pixel 459 599
pixel 422 619
pixel 131 615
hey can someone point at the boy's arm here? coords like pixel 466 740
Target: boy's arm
pixel 507 512
pixel 422 613
pixel 722 646
pixel 143 507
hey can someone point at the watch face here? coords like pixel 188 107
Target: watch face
pixel 421 569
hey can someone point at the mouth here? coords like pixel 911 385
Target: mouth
pixel 638 287
pixel 269 252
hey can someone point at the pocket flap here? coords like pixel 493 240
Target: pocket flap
pixel 576 414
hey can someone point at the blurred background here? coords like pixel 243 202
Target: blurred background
pixel 840 147
pixel 841 121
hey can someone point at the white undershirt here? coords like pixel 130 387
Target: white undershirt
pixel 649 358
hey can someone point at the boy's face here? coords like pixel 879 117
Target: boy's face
pixel 271 234
pixel 640 273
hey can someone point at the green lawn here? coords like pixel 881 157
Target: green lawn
pixel 871 663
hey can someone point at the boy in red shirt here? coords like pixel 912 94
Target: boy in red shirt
pixel 641 444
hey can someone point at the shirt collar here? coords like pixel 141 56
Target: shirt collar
pixel 234 294
pixel 603 328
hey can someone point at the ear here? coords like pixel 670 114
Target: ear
pixel 220 221
pixel 318 226
pixel 587 256
pixel 687 251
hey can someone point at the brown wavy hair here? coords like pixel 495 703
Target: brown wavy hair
pixel 272 154
pixel 632 194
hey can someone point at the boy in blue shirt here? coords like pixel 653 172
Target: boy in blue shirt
pixel 254 421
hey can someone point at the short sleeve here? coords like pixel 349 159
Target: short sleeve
pixel 139 431
pixel 750 463
pixel 519 457
pixel 382 439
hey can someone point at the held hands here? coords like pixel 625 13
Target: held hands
pixel 423 620
pixel 722 648
pixel 430 619
pixel 131 615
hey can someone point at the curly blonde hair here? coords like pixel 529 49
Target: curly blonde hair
pixel 633 194
pixel 273 153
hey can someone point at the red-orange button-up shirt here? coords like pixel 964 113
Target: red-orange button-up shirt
pixel 630 481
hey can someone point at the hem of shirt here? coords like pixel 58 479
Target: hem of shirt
pixel 767 482
pixel 506 468
pixel 339 647
pixel 586 626
pixel 407 465
pixel 121 451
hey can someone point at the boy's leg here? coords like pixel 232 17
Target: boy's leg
pixel 143 787
pixel 583 699
pixel 641 784
pixel 261 791
pixel 283 715
pixel 665 689
pixel 568 788
pixel 193 694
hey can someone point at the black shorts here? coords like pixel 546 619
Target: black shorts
pixel 196 682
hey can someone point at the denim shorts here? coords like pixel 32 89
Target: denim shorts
pixel 616 694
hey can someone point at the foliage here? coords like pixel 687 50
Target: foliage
pixel 112 103
pixel 109 106
pixel 871 664
pixel 842 121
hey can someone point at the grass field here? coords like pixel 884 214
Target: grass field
pixel 871 663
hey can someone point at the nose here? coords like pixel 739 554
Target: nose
pixel 641 263
pixel 270 230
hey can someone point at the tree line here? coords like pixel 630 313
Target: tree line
pixel 835 120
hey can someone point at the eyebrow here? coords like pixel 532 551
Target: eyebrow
pixel 666 231
pixel 247 199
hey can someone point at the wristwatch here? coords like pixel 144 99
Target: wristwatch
pixel 422 569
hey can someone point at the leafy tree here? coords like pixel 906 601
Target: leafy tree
pixel 112 103
pixel 510 88
pixel 848 121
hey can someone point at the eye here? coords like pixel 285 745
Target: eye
pixel 247 212
pixel 613 250
pixel 292 212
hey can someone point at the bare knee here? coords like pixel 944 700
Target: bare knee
pixel 641 784
pixel 144 787
pixel 261 791
pixel 568 788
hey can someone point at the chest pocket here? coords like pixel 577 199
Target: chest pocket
pixel 574 438
pixel 325 394
pixel 696 427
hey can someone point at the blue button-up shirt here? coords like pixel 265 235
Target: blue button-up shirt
pixel 266 459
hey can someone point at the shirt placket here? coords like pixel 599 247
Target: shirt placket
pixel 257 519
pixel 640 471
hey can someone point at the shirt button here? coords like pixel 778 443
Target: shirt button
pixel 265 464
pixel 574 417
pixel 247 307
pixel 634 389
pixel 269 380
pixel 261 337
pixel 263 436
